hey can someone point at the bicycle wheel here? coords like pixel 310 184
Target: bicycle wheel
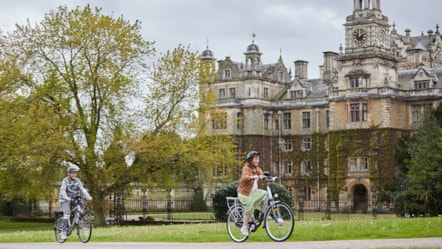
pixel 234 223
pixel 84 227
pixel 57 230
pixel 279 222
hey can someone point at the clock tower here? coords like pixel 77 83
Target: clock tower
pixel 366 70
pixel 367 29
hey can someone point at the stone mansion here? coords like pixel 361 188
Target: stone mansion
pixel 333 137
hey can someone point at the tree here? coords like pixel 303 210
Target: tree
pixel 68 91
pixel 183 153
pixel 67 85
pixel 424 168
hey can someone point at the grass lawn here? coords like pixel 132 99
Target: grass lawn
pixel 307 230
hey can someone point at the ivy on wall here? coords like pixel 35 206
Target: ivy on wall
pixel 330 152
pixel 375 143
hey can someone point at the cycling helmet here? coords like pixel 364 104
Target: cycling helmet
pixel 251 154
pixel 74 168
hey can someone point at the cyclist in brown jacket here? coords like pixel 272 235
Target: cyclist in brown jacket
pixel 250 192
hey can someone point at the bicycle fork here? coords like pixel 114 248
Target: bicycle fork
pixel 275 213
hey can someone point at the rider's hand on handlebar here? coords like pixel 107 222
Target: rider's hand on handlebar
pixel 262 177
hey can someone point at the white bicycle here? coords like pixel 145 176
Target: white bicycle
pixel 277 217
pixel 79 220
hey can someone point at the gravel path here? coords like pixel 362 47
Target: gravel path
pixel 341 244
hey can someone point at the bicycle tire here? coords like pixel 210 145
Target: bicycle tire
pixel 84 229
pixel 57 230
pixel 234 223
pixel 279 231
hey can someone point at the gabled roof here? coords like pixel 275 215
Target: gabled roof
pixel 409 75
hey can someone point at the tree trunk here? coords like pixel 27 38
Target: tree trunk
pixel 99 208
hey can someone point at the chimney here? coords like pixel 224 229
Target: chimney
pixel 329 66
pixel 301 69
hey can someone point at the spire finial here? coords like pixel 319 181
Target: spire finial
pixel 253 37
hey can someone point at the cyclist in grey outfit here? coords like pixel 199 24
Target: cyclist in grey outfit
pixel 71 186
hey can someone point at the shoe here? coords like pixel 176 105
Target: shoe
pixel 63 235
pixel 245 231
pixel 279 221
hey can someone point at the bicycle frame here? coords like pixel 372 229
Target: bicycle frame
pixel 279 215
pixel 77 211
pixel 77 220
pixel 269 204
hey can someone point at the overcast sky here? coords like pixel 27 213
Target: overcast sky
pixel 296 29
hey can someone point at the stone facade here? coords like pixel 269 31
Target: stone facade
pixel 370 92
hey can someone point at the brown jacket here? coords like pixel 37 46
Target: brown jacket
pixel 246 181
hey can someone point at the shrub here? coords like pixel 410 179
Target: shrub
pixel 219 200
pixel 198 203
pixel 220 203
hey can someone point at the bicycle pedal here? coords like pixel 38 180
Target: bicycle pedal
pixel 252 228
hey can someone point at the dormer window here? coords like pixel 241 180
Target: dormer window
pixel 227 74
pixel 298 94
pixel 280 76
pixel 359 82
pixel 423 80
pixel 357 79
pixel 354 83
pixel 421 84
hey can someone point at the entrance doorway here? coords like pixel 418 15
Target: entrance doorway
pixel 360 199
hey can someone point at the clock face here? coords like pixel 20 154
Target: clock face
pixel 359 36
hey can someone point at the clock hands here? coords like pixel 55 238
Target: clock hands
pixel 359 36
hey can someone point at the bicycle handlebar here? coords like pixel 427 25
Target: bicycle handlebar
pixel 266 175
pixel 272 179
pixel 78 200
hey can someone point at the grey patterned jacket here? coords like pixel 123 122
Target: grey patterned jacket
pixel 72 188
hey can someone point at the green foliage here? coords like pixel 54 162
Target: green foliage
pixel 219 200
pixel 198 203
pixel 67 87
pixel 173 149
pixel 376 144
pixel 337 164
pixel 67 81
pixel 424 170
pixel 5 207
pixel 220 207
pixel 172 94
